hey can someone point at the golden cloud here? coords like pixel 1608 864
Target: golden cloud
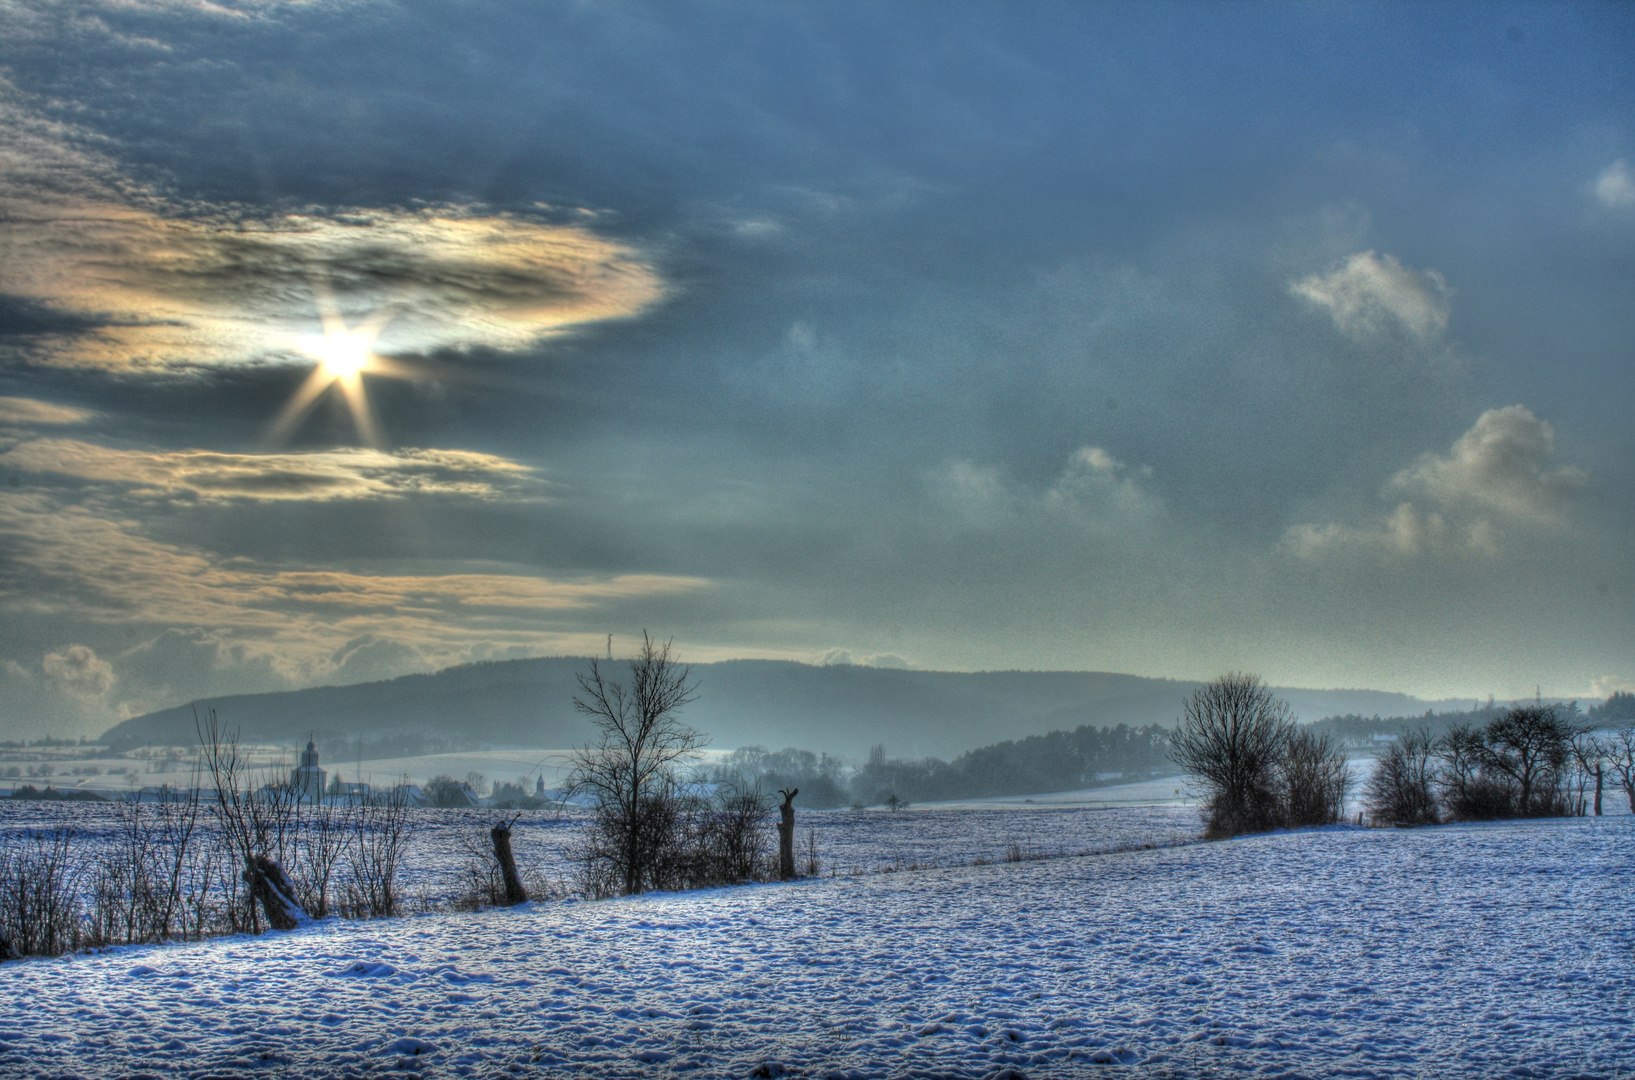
pixel 76 562
pixel 341 473
pixel 26 412
pixel 160 283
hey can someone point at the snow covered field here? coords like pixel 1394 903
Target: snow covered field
pixel 1481 951
pixel 848 841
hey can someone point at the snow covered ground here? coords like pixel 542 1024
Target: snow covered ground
pixel 848 841
pixel 1480 951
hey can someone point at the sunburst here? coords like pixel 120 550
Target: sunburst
pixel 344 356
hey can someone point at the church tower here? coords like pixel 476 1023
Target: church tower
pixel 309 778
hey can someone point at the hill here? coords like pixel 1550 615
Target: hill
pixel 839 709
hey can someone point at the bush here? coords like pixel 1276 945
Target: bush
pixel 445 792
pixel 1402 790
pixel 1314 780
pixel 39 902
pixel 681 841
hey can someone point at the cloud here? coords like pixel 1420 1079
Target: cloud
pixel 1502 463
pixel 1407 533
pixel 1094 491
pixel 1496 476
pixel 26 412
pixel 67 562
pixel 1607 685
pixel 317 476
pixel 1098 487
pixel 79 672
pixel 1615 186
pixel 138 280
pixel 845 657
pixel 1368 295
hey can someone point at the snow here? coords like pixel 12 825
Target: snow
pixel 1479 951
pixel 848 841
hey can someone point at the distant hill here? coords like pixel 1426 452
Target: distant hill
pixel 838 709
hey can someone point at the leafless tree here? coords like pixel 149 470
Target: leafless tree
pixel 324 837
pixel 145 886
pixel 730 838
pixel 1532 746
pixel 1468 792
pixel 1620 760
pixel 1589 758
pixel 1402 789
pixel 786 833
pixel 379 836
pixel 261 827
pixel 629 773
pixel 1230 738
pixel 1314 779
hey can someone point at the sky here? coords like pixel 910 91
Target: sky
pixel 344 339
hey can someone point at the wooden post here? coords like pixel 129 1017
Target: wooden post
pixel 514 892
pixel 1598 782
pixel 269 884
pixel 786 835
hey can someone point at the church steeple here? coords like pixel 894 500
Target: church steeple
pixel 309 778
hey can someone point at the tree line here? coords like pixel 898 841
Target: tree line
pixel 1529 761
pixel 1261 771
pixel 1058 761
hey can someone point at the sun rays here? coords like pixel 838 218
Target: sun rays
pixel 344 355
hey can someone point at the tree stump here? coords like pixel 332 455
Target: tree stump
pixel 270 885
pixel 786 835
pixel 514 892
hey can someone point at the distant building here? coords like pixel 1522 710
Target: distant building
pixel 348 791
pixel 308 779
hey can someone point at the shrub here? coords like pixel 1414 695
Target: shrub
pixel 1314 780
pixel 39 902
pixel 445 792
pixel 1402 790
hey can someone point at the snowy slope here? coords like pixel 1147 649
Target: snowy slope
pixel 1459 951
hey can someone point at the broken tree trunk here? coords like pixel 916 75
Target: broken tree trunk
pixel 786 835
pixel 270 885
pixel 514 892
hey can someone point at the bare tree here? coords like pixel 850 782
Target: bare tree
pixel 1469 791
pixel 1402 789
pixel 380 834
pixel 1314 778
pixel 1532 746
pixel 260 827
pixel 629 773
pixel 1590 764
pixel 1231 737
pixel 1620 760
pixel 500 834
pixel 323 841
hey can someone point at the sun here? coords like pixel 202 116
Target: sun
pixel 344 355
